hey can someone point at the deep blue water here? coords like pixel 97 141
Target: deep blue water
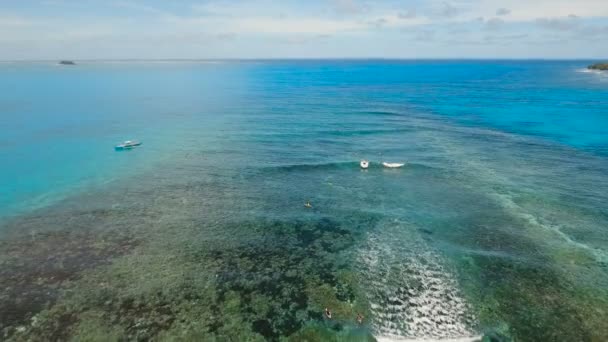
pixel 58 124
pixel 504 194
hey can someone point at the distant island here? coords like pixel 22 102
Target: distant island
pixel 599 66
pixel 67 63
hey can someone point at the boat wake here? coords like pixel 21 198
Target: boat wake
pixel 413 296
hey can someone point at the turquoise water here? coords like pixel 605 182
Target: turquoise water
pixel 496 226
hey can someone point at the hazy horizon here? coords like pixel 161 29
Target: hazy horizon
pixel 318 29
pixel 278 59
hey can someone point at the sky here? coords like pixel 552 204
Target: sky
pixel 207 29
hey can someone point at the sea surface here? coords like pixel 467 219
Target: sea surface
pixel 496 227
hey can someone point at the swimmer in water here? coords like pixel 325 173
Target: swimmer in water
pixel 308 205
pixel 327 313
pixel 360 318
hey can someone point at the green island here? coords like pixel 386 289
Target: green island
pixel 598 66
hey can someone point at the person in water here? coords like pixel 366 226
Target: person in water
pixel 360 318
pixel 308 205
pixel 327 313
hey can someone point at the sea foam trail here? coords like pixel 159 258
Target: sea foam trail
pixel 411 294
pixel 507 202
pixel 498 185
pixel 463 339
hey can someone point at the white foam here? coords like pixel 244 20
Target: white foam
pixel 462 339
pixel 412 295
pixel 517 211
pixel 483 172
pixel 600 73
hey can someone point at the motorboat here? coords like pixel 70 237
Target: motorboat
pixel 364 164
pixel 129 144
pixel 392 165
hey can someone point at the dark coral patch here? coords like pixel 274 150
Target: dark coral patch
pixel 35 267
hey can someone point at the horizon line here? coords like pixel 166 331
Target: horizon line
pixel 310 59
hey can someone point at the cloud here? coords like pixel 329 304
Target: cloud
pixel 256 27
pixel 137 7
pixel 523 10
pixel 226 36
pixel 13 21
pixel 349 6
pixel 574 27
pixel 293 25
pixel 505 38
pixel 595 32
pixel 503 11
pixel 378 23
pixel 569 23
pixel 409 14
pixel 448 10
pixel 304 39
pixel 424 35
pixel 494 24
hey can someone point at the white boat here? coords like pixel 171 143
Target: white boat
pixel 392 165
pixel 127 145
pixel 364 164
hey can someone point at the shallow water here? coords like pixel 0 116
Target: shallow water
pixel 496 226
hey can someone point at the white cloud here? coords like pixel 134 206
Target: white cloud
pixel 494 24
pixel 568 23
pixel 349 6
pixel 251 24
pixel 448 10
pixel 409 14
pixel 138 7
pixel 503 11
pixel 13 21
pixel 293 25
pixel 424 36
pixel 528 10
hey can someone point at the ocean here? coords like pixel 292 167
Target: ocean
pixel 495 228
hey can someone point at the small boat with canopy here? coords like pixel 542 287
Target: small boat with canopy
pixel 127 145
